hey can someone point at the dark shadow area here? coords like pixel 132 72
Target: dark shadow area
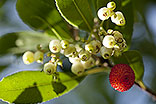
pixel 2 68
pixel 58 87
pixel 7 42
pixel 30 95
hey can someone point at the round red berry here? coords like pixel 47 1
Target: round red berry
pixel 121 77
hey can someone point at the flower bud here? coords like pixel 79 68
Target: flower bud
pixel 49 68
pixel 109 41
pixel 55 46
pixel 109 31
pixel 78 48
pixel 89 47
pixel 106 53
pixel 28 57
pixel 74 60
pixel 64 44
pixel 118 36
pixel 111 5
pixel 84 55
pixel 118 19
pixel 117 52
pixel 104 13
pixel 77 68
pixel 89 63
pixel 70 51
pixel 97 45
pixel 39 56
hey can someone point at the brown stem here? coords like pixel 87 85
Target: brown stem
pixel 149 91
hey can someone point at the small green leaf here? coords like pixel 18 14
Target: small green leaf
pixel 20 42
pixel 34 87
pixel 77 12
pixel 42 15
pixel 134 59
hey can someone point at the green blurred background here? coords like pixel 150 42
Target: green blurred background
pixel 95 89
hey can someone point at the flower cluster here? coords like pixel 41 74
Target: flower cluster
pixel 116 17
pixel 113 44
pixel 80 54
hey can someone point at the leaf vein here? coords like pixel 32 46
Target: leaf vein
pixel 83 17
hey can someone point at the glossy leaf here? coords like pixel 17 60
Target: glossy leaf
pixel 134 59
pixel 20 42
pixel 76 12
pixel 34 87
pixel 42 15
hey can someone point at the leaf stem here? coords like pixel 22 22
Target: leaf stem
pixel 81 14
pixel 103 30
pixel 97 70
pixel 143 87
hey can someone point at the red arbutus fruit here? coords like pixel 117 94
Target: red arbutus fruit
pixel 121 77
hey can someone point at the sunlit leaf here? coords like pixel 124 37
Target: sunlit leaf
pixel 42 15
pixel 34 87
pixel 76 12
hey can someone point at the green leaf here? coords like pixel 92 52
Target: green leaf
pixel 134 59
pixel 20 42
pixel 101 3
pixel 2 2
pixel 34 87
pixel 43 15
pixel 76 12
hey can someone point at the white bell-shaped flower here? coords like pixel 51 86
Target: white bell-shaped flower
pixel 109 41
pixel 106 53
pixel 118 19
pixel 77 68
pixel 39 56
pixel 111 5
pixel 104 13
pixel 55 46
pixel 28 57
pixel 49 68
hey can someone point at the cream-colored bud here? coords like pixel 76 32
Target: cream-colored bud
pixel 28 57
pixel 55 46
pixel 77 68
pixel 106 53
pixel 109 41
pixel 39 56
pixel 49 68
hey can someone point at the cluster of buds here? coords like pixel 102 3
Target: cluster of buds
pixel 116 17
pixel 113 44
pixel 80 58
pixel 29 57
pixel 81 55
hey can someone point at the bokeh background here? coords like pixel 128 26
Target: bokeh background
pixel 95 89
